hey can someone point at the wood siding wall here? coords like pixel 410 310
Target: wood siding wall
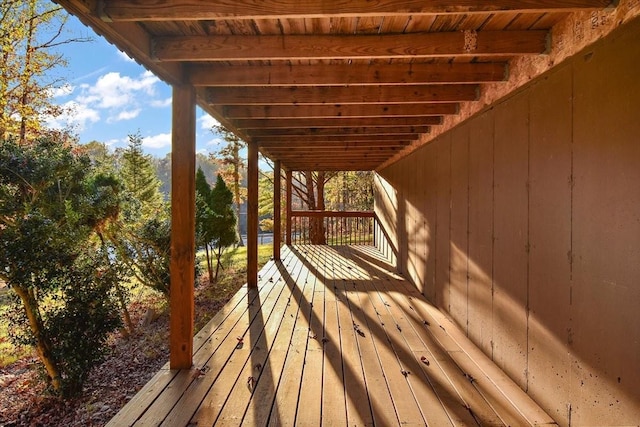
pixel 523 224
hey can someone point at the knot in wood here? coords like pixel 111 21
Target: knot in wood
pixel 470 40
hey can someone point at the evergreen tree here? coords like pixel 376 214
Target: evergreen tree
pixel 204 218
pixel 234 164
pixel 140 179
pixel 142 238
pixel 223 229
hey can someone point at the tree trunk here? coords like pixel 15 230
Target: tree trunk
pixel 26 76
pixel 129 329
pixel 43 345
pixel 316 225
pixel 209 266
pixel 218 264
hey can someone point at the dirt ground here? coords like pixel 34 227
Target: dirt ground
pixel 130 364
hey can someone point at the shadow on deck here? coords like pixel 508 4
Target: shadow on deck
pixel 332 336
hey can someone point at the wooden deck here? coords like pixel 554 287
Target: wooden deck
pixel 332 337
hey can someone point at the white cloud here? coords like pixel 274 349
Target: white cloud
pixel 74 115
pixel 126 57
pixel 161 103
pixel 157 141
pixel 127 115
pixel 207 122
pixel 115 91
pixel 215 141
pixel 121 97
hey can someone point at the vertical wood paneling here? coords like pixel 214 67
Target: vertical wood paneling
pixel 511 234
pixel 423 231
pixel 411 219
pixel 430 207
pixel 386 212
pixel 606 233
pixel 550 242
pixel 458 258
pixel 183 223
pixel 443 216
pixel 481 231
pixel 553 232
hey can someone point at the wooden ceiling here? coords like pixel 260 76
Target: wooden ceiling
pixel 329 85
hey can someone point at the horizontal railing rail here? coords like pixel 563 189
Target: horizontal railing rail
pixel 332 227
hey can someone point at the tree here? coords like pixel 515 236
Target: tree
pixel 30 30
pixel 163 170
pixel 233 165
pixel 308 186
pixel 223 228
pixel 142 237
pixel 140 180
pixel 265 201
pixel 204 218
pixel 350 191
pixel 51 204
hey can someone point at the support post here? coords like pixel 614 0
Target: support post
pixel 252 215
pixel 289 207
pixel 277 194
pixel 183 203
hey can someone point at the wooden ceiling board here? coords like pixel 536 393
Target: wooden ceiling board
pixel 341 72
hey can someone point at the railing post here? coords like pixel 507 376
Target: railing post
pixel 183 201
pixel 289 176
pixel 252 214
pixel 276 210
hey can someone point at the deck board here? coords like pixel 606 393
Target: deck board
pixel 332 337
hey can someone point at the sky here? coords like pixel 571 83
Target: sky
pixel 109 96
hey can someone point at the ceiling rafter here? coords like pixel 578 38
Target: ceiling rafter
pixel 328 111
pixel 312 139
pixel 339 122
pixel 333 144
pixel 343 95
pixel 397 130
pixel 321 84
pixel 154 10
pixel 345 74
pixel 369 46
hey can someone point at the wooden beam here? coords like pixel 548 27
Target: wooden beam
pixel 331 155
pixel 336 122
pixel 324 153
pixel 341 138
pixel 182 227
pixel 181 10
pixel 343 95
pixel 252 214
pixel 345 74
pixel 352 165
pixel 289 195
pixel 126 36
pixel 277 197
pixel 328 111
pixel 290 145
pixel 362 46
pixel 334 158
pixel 398 130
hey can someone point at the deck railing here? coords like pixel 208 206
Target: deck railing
pixel 340 228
